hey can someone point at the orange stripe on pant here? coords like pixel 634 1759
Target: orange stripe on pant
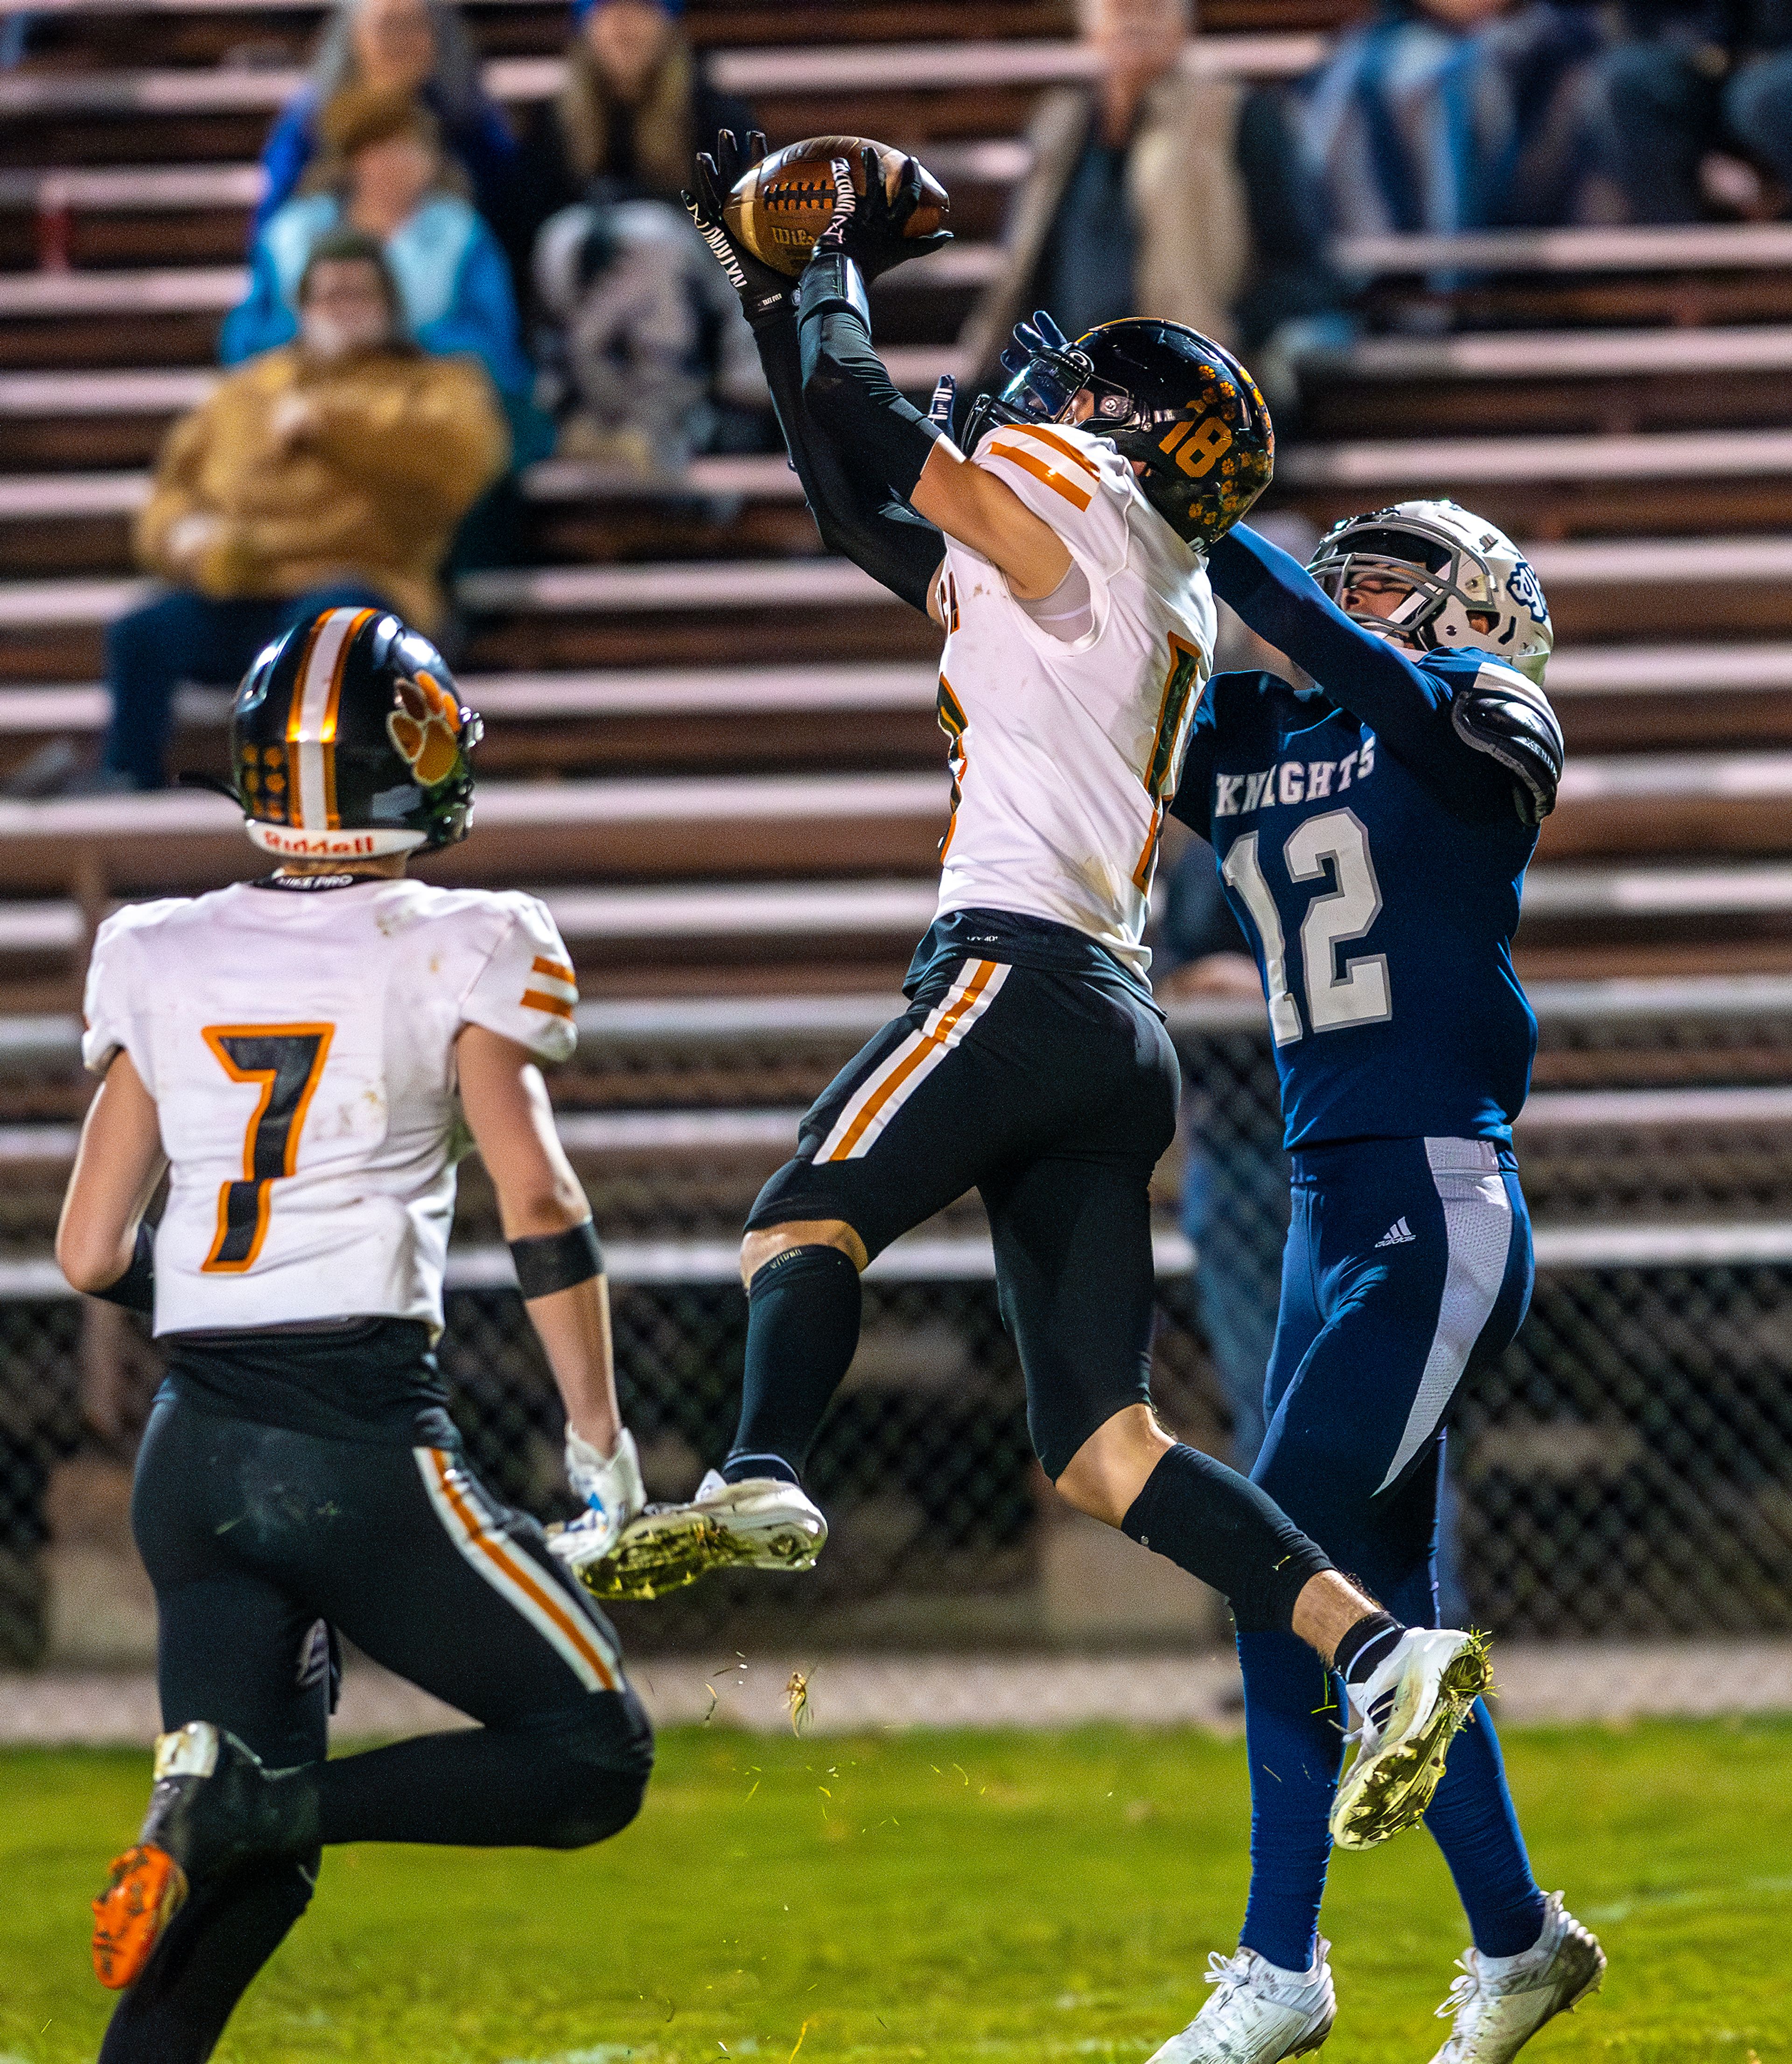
pixel 519 1569
pixel 927 1046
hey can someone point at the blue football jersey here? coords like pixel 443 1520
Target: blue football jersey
pixel 1375 858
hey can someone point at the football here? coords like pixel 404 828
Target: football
pixel 778 208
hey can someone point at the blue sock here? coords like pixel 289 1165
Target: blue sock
pixel 1474 1823
pixel 1294 1730
pixel 803 1310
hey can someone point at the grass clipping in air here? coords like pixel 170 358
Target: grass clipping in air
pixel 943 1897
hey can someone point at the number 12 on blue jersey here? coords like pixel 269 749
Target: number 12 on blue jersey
pixel 1358 992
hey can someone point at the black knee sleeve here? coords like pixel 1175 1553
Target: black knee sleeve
pixel 1220 1527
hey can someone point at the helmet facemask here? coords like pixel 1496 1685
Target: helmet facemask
pixel 1046 374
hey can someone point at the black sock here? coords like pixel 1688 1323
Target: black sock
pixel 1220 1527
pixel 802 1333
pixel 1367 1646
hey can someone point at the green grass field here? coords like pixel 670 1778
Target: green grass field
pixel 945 1897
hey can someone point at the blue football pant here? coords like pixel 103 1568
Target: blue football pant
pixel 1407 1262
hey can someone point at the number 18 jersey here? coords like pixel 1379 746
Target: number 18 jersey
pixel 1065 755
pixel 299 1043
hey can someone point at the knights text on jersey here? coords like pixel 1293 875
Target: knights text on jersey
pixel 1381 914
pixel 300 1051
pixel 1065 755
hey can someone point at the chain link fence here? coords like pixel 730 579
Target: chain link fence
pixel 1624 1468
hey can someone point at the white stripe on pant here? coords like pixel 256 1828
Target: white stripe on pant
pixel 1477 1223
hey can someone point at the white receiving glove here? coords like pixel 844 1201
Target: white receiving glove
pixel 610 1488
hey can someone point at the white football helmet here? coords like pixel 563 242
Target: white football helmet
pixel 1469 585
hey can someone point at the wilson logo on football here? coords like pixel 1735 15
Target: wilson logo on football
pixel 426 729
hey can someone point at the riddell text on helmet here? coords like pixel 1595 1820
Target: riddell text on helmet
pixel 328 845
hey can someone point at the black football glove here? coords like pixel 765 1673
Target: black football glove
pixel 764 294
pixel 867 227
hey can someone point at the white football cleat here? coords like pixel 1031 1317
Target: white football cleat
pixel 760 1523
pixel 611 1488
pixel 1259 2014
pixel 1500 2002
pixel 1412 1707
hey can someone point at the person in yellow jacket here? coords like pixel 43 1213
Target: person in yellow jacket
pixel 330 472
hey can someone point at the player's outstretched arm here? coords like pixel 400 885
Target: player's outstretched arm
pixel 857 518
pixel 849 393
pixel 1275 595
pixel 102 1243
pixel 546 1215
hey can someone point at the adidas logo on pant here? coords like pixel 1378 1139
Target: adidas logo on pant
pixel 1397 1235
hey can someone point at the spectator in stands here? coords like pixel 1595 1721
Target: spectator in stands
pixel 646 353
pixel 416 47
pixel 331 471
pixel 1155 190
pixel 635 107
pixel 1448 116
pixel 1696 83
pixel 385 176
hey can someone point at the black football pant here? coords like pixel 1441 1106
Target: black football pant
pixel 1055 1098
pixel 259 1539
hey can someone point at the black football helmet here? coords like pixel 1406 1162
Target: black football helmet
pixel 1168 397
pixel 348 740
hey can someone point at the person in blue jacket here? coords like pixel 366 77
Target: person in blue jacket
pixel 386 176
pixel 1372 833
pixel 416 47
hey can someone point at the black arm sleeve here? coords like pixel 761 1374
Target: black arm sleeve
pixel 844 383
pixel 855 516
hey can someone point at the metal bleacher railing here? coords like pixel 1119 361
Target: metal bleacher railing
pixel 1626 1467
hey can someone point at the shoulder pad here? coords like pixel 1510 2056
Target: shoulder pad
pixel 1500 712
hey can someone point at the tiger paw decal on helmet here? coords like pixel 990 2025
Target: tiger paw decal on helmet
pixel 426 729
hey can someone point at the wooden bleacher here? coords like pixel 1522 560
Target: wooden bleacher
pixel 664 659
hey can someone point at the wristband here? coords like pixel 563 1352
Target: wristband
pixel 831 280
pixel 135 1289
pixel 557 1260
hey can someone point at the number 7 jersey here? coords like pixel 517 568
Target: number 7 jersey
pixel 300 1046
pixel 1065 754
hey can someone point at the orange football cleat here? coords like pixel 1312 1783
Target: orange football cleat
pixel 146 1890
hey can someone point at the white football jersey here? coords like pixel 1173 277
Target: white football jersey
pixel 1065 757
pixel 300 1046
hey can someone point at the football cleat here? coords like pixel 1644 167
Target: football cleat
pixel 213 1804
pixel 1498 2003
pixel 760 1523
pixel 1412 1709
pixel 1259 2014
pixel 610 1490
